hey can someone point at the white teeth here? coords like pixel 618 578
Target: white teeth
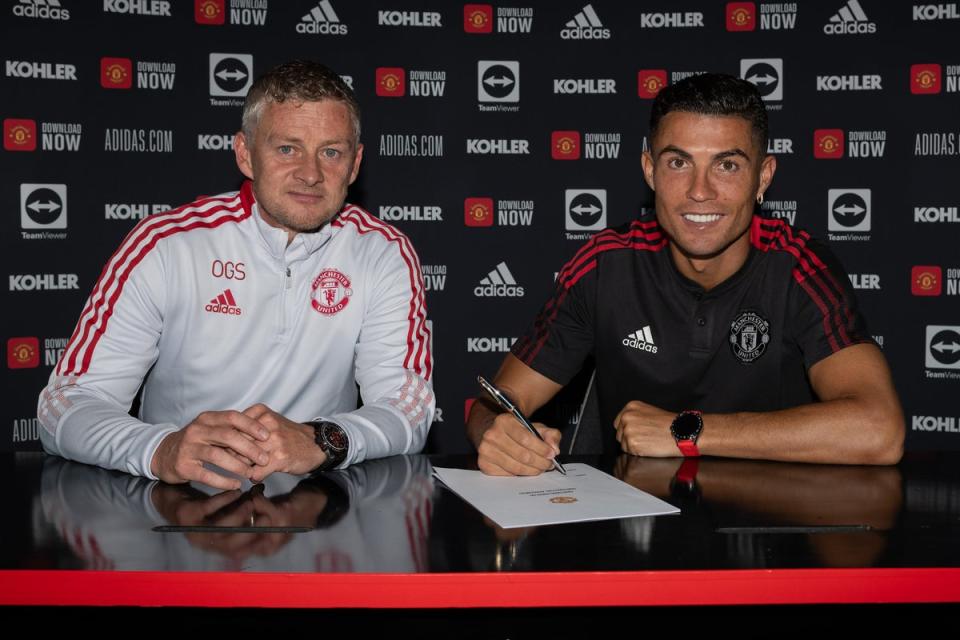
pixel 701 218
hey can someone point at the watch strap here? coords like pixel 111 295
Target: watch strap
pixel 688 448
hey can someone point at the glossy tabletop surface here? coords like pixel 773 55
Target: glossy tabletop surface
pixel 391 518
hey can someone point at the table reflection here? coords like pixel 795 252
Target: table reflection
pixel 747 500
pixel 389 516
pixel 370 517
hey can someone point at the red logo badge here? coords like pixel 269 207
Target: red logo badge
pixel 926 281
pixel 209 11
pixel 391 82
pixel 23 353
pixel 650 81
pixel 478 212
pixel 925 78
pixel 331 292
pixel 116 73
pixel 741 16
pixel 828 143
pixel 224 303
pixel 19 135
pixel 565 145
pixel 478 18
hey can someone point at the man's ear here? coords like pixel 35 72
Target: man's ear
pixel 243 154
pixel 356 163
pixel 767 168
pixel 646 161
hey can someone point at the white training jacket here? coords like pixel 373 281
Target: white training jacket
pixel 210 306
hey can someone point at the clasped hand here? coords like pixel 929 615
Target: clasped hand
pixel 252 444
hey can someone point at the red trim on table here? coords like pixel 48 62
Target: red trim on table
pixel 458 590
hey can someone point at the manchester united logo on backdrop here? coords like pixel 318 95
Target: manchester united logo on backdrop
pixel 331 292
pixel 749 336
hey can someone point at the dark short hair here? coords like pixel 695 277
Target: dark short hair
pixel 301 80
pixel 714 94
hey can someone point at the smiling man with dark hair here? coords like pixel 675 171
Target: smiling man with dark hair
pixel 714 330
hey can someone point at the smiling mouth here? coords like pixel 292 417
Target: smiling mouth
pixel 701 218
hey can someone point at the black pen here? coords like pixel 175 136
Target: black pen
pixel 505 403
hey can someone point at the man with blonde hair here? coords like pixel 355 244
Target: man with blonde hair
pixel 251 318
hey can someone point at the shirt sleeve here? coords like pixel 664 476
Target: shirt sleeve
pixel 393 361
pixel 823 308
pixel 84 409
pixel 562 335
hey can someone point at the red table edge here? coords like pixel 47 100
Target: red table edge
pixel 458 590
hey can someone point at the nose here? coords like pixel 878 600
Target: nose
pixel 309 171
pixel 701 187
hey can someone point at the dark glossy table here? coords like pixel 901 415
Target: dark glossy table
pixel 386 535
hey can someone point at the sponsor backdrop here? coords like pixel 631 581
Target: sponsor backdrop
pixel 499 138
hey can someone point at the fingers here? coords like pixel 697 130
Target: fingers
pixel 256 411
pixel 228 439
pixel 551 436
pixel 259 472
pixel 233 430
pixel 201 474
pixel 225 460
pixel 507 448
pixel 235 420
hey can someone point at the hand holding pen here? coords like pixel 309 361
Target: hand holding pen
pixel 508 406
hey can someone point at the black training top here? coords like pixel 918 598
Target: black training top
pixel 658 337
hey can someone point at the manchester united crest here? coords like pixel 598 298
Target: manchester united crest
pixel 331 292
pixel 749 336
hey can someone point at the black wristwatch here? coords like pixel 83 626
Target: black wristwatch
pixel 686 429
pixel 333 440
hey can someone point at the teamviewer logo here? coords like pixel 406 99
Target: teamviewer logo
pixel 231 74
pixel 498 81
pixel 943 347
pixel 43 206
pixel 586 209
pixel 766 74
pixel 849 210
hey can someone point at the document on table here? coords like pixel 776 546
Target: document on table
pixel 552 498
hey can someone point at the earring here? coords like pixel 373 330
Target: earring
pixel 760 198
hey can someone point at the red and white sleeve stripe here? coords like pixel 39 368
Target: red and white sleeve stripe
pixel 95 318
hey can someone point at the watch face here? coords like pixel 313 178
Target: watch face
pixel 686 426
pixel 334 436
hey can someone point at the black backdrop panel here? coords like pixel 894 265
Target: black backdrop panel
pixel 118 109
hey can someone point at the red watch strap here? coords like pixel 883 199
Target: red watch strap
pixel 687 473
pixel 688 448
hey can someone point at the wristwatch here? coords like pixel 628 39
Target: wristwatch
pixel 686 429
pixel 333 440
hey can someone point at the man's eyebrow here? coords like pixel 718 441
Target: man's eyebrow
pixel 732 152
pixel 274 138
pixel 736 151
pixel 675 150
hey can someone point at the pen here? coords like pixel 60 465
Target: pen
pixel 504 403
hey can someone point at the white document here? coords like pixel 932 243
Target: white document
pixel 552 498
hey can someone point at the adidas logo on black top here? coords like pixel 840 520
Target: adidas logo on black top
pixel 641 339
